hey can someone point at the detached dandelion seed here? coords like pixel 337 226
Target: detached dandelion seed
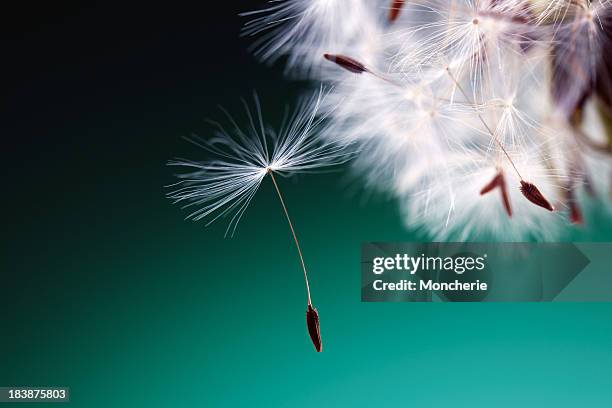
pixel 225 185
pixel 312 317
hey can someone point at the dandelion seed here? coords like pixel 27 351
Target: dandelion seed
pixel 402 126
pixel 314 329
pixel 572 202
pixel 450 191
pixel 224 186
pixel 499 182
pixel 394 10
pixel 484 123
pixel 347 63
pixel 312 317
pixel 531 192
pixel 356 67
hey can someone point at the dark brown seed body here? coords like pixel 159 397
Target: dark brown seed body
pixel 346 62
pixel 314 329
pixel 499 181
pixel 394 11
pixel 531 192
pixel 572 203
pixel 575 213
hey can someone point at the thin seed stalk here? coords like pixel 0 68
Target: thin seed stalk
pixel 357 67
pixel 484 123
pixel 295 238
pixel 529 190
pixel 312 316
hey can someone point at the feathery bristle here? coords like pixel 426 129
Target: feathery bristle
pixel 451 89
pixel 314 329
pixel 531 193
pixel 224 185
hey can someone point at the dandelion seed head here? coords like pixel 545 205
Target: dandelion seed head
pixel 445 95
pixel 224 185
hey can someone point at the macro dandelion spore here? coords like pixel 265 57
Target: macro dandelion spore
pixel 226 184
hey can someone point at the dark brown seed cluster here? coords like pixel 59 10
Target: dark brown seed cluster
pixel 531 192
pixel 346 62
pixel 314 329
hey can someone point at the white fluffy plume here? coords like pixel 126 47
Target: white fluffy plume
pixel 303 30
pixel 224 185
pixel 467 111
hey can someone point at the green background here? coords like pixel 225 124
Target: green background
pixel 106 290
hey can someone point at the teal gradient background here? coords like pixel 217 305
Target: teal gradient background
pixel 105 289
